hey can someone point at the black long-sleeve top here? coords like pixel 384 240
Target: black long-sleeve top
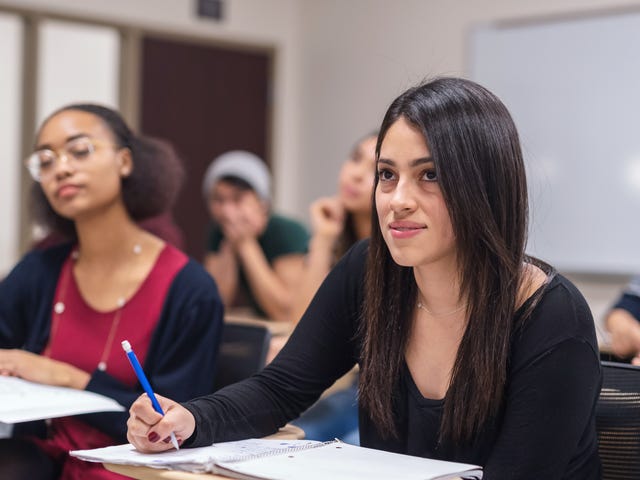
pixel 546 427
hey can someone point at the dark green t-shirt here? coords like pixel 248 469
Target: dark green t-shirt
pixel 282 236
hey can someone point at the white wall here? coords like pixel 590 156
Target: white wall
pixel 339 64
pixel 359 54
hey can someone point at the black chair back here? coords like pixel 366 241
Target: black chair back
pixel 243 352
pixel 618 421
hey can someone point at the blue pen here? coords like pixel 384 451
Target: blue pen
pixel 126 346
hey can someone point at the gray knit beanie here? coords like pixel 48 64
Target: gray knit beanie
pixel 243 165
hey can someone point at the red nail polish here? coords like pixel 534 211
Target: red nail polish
pixel 167 440
pixel 153 437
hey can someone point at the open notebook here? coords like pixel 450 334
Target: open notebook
pixel 288 460
pixel 23 401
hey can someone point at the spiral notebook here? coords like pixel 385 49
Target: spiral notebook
pixel 288 460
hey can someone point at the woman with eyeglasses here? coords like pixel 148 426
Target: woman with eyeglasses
pixel 469 350
pixel 65 310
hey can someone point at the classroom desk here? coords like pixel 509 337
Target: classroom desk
pixel 148 473
pixel 276 328
pixel 288 432
pixel 145 473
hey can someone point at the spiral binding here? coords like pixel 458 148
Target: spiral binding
pixel 273 453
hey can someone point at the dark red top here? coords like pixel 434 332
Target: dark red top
pixel 80 336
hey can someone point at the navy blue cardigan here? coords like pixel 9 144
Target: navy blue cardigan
pixel 181 358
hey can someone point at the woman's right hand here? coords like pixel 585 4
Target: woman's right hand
pixel 327 217
pixel 40 369
pixel 149 431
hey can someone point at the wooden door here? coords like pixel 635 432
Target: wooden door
pixel 206 100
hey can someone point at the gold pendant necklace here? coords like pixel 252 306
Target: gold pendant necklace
pixel 60 307
pixel 424 307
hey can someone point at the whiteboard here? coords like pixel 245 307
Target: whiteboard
pixel 573 88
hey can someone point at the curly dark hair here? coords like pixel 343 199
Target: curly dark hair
pixel 150 189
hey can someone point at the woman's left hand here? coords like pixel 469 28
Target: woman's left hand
pixel 39 369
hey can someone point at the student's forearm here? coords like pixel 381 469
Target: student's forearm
pixel 40 369
pixel 74 377
pixel 269 290
pixel 317 265
pixel 223 267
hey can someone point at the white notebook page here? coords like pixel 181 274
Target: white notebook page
pixel 348 462
pixel 23 401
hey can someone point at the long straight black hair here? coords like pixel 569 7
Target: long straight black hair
pixel 475 147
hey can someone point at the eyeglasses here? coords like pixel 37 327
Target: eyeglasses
pixel 42 163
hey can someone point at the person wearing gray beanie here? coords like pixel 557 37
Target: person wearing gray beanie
pixel 255 255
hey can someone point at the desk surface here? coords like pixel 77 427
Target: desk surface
pixel 147 473
pixel 276 328
pixel 289 432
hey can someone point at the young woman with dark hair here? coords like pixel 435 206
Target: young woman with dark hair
pixel 469 349
pixel 64 310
